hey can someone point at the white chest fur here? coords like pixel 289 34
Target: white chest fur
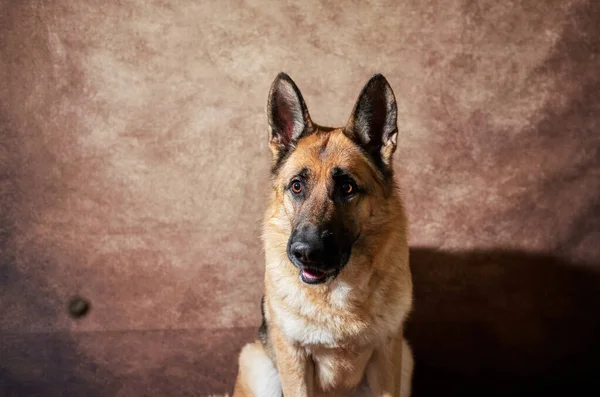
pixel 339 342
pixel 340 370
pixel 308 324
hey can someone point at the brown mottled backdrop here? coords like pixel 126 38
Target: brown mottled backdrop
pixel 134 168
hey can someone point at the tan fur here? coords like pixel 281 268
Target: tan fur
pixel 326 339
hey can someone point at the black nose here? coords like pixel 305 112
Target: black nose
pixel 307 247
pixel 305 253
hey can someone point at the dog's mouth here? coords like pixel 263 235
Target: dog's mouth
pixel 314 276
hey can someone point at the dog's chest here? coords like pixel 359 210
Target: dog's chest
pixel 337 369
pixel 338 341
pixel 327 323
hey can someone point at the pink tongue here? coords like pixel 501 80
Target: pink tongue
pixel 314 274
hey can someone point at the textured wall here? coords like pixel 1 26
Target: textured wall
pixel 133 171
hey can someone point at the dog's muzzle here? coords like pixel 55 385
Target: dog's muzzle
pixel 316 253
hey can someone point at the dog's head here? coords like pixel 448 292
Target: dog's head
pixel 330 183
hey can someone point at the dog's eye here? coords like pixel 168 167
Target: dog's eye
pixel 297 187
pixel 347 188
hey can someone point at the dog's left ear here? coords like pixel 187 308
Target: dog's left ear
pixel 373 123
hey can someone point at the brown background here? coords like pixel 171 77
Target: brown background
pixel 134 171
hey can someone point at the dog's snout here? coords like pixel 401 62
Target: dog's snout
pixel 307 247
pixel 305 253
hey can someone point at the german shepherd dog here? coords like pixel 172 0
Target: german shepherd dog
pixel 338 286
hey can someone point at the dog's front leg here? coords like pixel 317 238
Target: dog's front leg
pixel 257 375
pixel 384 369
pixel 380 374
pixel 294 366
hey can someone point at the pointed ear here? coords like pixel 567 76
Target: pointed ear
pixel 287 113
pixel 373 123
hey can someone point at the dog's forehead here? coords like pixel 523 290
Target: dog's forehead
pixel 320 153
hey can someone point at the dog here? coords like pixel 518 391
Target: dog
pixel 337 286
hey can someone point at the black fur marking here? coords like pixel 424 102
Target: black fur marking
pixel 263 329
pixel 284 152
pixel 282 156
pixel 386 172
pixel 304 173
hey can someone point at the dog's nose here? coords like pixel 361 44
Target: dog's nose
pixel 305 253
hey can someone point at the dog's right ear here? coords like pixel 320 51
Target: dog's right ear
pixel 288 115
